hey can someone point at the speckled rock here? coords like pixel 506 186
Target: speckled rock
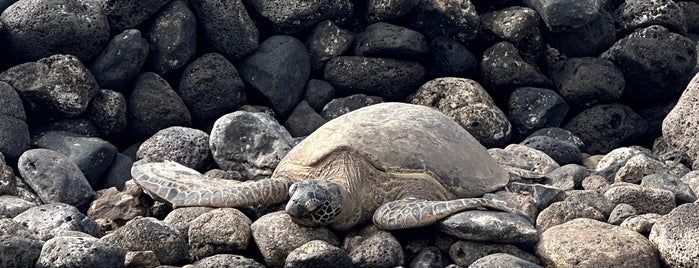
pixel 373 247
pixel 187 146
pixel 227 260
pixel 154 105
pixel 250 143
pixel 181 218
pixel 303 120
pixel 79 126
pixel 17 251
pixel 490 226
pixel 276 236
pixel 559 134
pixel 266 70
pixel 690 9
pixel 451 18
pixel 145 233
pixel 680 124
pixel 517 25
pixel 592 198
pixel 504 70
pixel 37 29
pixel 386 10
pixel 620 213
pixel 108 113
pixel 464 253
pixel 618 156
pixel 14 136
pixel 637 167
pixel 635 14
pixel 587 81
pixel 530 109
pixel 130 13
pixel 67 185
pixel 383 39
pixel 524 157
pixel 644 199
pixel 46 221
pixel 589 40
pixel 465 101
pixel 172 38
pixel 562 212
pixel 605 127
pixel 226 27
pixel 641 223
pixel 340 106
pixel 118 65
pixel 11 205
pixel 13 228
pixel 591 243
pixel 326 42
pixel 80 252
pixel 682 191
pixel 10 102
pixel 146 258
pixel 676 236
pixel 390 78
pixel 218 231
pixel 211 87
pixel 318 253
pixel 502 260
pixel 565 15
pixel 287 18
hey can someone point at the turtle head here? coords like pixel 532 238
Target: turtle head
pixel 314 202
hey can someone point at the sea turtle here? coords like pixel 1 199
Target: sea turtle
pixel 406 165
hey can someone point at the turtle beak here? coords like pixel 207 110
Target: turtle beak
pixel 298 214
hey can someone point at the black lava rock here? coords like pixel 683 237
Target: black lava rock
pixel 318 93
pixel 565 15
pixel 562 152
pixel 288 17
pixel 532 108
pixel 389 78
pixel 153 105
pixel 588 40
pixel 383 39
pixel 517 25
pixel 451 58
pixel 387 10
pixel 585 82
pixel 108 113
pixel 326 42
pixel 226 27
pixel 120 62
pixel 340 106
pixel 606 126
pixel 128 14
pixel 173 38
pixel 14 136
pixel 559 134
pixel 636 14
pixel 303 120
pixel 504 70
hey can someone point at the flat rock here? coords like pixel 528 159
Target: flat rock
pixel 389 78
pixel 67 185
pixel 226 26
pixel 644 199
pixel 382 39
pixel 79 126
pixel 187 146
pixel 325 42
pixel 119 63
pixel 605 127
pixel 218 231
pixel 587 81
pixel 490 226
pixel 287 18
pixel 172 38
pixel 373 247
pixel 318 253
pixel 108 113
pixel 502 260
pixel 80 252
pixel 48 220
pixel 145 233
pixel 154 105
pixel 591 243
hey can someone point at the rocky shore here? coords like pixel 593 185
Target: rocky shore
pixel 596 95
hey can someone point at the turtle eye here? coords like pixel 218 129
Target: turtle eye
pixel 312 205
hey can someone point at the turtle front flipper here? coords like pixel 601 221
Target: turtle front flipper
pixel 184 187
pixel 412 212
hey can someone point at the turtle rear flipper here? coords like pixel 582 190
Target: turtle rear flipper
pixel 184 187
pixel 412 212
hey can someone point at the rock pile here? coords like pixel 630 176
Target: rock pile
pixel 597 95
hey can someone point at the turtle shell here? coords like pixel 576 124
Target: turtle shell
pixel 400 137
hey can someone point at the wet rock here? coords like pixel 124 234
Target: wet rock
pixel 16 251
pixel 585 82
pixel 108 113
pixel 187 146
pixel 605 127
pixel 530 109
pixel 318 93
pixel 11 206
pixel 465 101
pixel 588 40
pixel 638 167
pixel 287 18
pixel 676 236
pixel 517 25
pixel 465 253
pixel 276 236
pixel 383 39
pixel 250 143
pixel 118 65
pixel 680 124
pixel 303 120
pixel 661 75
pixel 211 87
pixel 48 220
pixel 218 231
pixel 266 70
pixel 563 15
pixel 114 208
pixel 92 155
pixel 151 234
pixel 587 242
pixel 504 70
pixel 644 199
pixel 80 252
pixel 227 260
pixel 130 13
pixel 641 223
pixel 490 226
pixel 58 86
pixel 154 105
pixel 318 253
pixel 620 213
pixel 172 38
pixel 562 212
pixel 226 27
pixel 452 18
pixel 37 29
pixel 326 42
pixel 389 78
pixel 372 247
pixel 502 260
pixel 67 185
pixel 635 14
pixel 451 59
pixel 340 106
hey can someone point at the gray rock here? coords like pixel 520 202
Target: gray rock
pixel 172 38
pixel 303 120
pixel 340 106
pixel 592 198
pixel 620 213
pixel 129 14
pixel 8 182
pixel 118 172
pixel 562 212
pixel 635 14
pixel 326 42
pixel 559 134
pixel 227 260
pixel 525 158
pixel 11 206
pixel 564 15
pixel 218 231
pixel 154 105
pixel 605 127
pixel 187 146
pixel 568 177
pixel 641 223
pixel 651 77
pixel 16 251
pixel 389 78
pixel 531 109
pixel 37 29
pixel 588 40
pixel 638 167
pixel 145 258
pixel 429 257
pixel 452 18
pixel 372 247
pixel 561 152
pixel 266 70
pixel 682 191
pixel 654 114
pixel 591 243
pixel 92 155
pixel 78 126
pixel 504 70
pixel 108 113
pixel 211 87
pixel 276 236
pixel 451 59
pixel 14 136
pixel 318 93
pixel 58 86
pixel 383 39
pixel 542 195
pixel 680 124
pixel 692 179
pixel 619 157
pixel 387 10
pixel 145 233
pixel 13 228
pixel 517 25
pixel 181 218
pixel 596 183
pixel 318 253
pixel 691 10
pixel 502 260
pixel 10 102
pixel 226 27
pixel 465 253
pixel 67 184
pixel 80 252
pixel 119 63
pixel 587 81
pixel 490 226
pixel 676 236
pixel 644 199
pixel 250 143
pixel 287 18
pixel 48 220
